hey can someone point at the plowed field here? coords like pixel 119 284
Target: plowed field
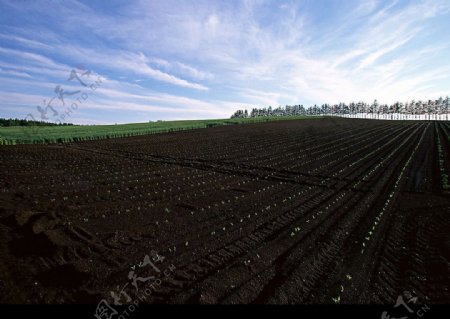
pixel 310 211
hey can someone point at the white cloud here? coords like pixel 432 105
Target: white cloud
pixel 250 53
pixel 192 72
pixel 26 42
pixel 32 58
pixel 15 73
pixel 137 63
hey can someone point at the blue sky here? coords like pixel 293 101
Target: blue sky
pixel 204 59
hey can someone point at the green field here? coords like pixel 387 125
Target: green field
pixel 60 134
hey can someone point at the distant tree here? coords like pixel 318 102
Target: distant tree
pixel 440 106
pixel 374 107
pixel 240 114
pixel 21 122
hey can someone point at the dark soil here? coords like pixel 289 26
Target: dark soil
pixel 310 211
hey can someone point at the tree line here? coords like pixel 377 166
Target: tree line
pixel 19 122
pixel 440 106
